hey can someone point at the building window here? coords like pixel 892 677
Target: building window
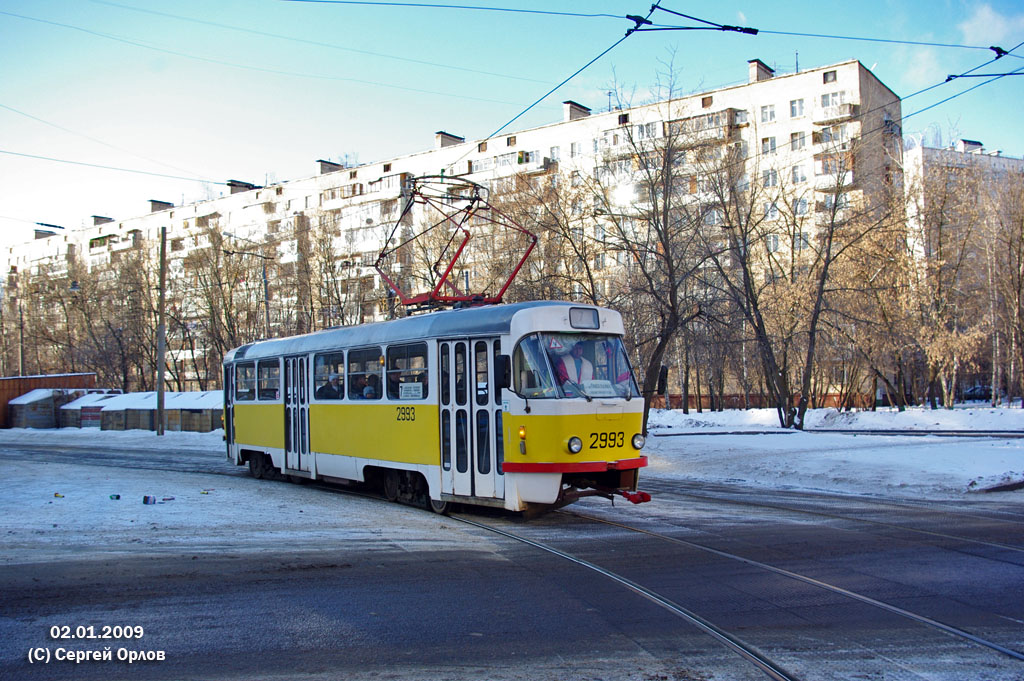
pixel 830 99
pixel 482 147
pixel 705 102
pixel 575 149
pixel 796 108
pixel 647 130
pixel 510 141
pixel 741 116
pixel 713 217
pixel 767 145
pixel 771 211
pixel 770 178
pixel 555 153
pixel 387 167
pixel 829 77
pixel 623 119
pixel 797 140
pixel 352 174
pixel 799 174
pixel 801 242
pixel 772 243
pixel 768 113
pixel 799 206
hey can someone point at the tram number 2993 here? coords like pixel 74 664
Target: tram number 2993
pixel 607 440
pixel 405 413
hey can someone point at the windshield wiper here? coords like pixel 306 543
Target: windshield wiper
pixel 580 389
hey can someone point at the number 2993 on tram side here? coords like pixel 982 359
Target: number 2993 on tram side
pixel 521 406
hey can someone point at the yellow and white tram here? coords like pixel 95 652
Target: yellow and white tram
pixel 513 406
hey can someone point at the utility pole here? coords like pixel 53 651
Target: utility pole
pixel 21 333
pixel 161 335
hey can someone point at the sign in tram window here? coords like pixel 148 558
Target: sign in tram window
pixel 245 382
pixel 269 379
pixel 329 376
pixel 407 371
pixel 365 369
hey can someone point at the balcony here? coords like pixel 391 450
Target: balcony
pixel 835 114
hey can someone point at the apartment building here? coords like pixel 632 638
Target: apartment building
pixel 808 139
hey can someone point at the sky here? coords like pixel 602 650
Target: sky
pixel 181 97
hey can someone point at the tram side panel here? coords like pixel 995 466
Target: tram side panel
pixel 350 436
pixel 259 427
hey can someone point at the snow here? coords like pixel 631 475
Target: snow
pixel 735 447
pixel 750 448
pixel 39 394
pixel 87 400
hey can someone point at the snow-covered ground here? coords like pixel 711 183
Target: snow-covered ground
pixel 211 512
pixel 711 447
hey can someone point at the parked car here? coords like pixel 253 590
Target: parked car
pixel 978 392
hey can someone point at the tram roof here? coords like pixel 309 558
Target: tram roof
pixel 472 321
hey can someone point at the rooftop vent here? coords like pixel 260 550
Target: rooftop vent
pixel 759 71
pixel 572 111
pixel 970 147
pixel 329 166
pixel 444 139
pixel 238 186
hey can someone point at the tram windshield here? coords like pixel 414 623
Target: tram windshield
pixel 560 365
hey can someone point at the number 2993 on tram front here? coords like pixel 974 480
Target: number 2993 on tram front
pixel 522 406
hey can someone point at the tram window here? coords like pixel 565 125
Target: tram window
pixel 446 440
pixel 497 351
pixel 461 442
pixel 483 441
pixel 245 382
pixel 499 441
pixel 364 373
pixel 407 371
pixel 460 373
pixel 446 389
pixel 269 373
pixel 530 374
pixel 483 384
pixel 329 376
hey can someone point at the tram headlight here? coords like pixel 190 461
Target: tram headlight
pixel 639 441
pixel 575 445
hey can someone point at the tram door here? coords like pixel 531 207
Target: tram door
pixel 296 414
pixel 229 404
pixel 472 451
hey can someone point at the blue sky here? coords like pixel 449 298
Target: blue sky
pixel 259 90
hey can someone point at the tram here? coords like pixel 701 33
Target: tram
pixel 521 406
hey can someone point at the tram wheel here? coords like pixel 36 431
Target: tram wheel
pixel 391 484
pixel 256 466
pixel 439 507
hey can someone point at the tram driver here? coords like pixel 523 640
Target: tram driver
pixel 573 369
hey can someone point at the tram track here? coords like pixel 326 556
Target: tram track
pixel 681 490
pixel 921 619
pixel 745 649
pixel 730 641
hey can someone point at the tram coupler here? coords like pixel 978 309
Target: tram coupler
pixel 637 497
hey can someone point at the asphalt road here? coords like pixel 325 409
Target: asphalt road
pixel 462 604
